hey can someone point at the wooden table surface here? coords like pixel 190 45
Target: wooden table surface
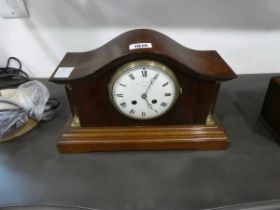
pixel 32 171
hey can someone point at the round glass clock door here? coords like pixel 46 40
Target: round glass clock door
pixel 143 89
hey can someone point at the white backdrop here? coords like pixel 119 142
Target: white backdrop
pixel 245 32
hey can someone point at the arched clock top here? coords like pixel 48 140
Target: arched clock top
pixel 206 65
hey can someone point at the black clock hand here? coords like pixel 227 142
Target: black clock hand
pixel 144 96
pixel 152 81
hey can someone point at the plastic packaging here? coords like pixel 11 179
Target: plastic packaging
pixel 30 101
pixel 33 96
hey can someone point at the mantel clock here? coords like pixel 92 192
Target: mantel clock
pixel 142 91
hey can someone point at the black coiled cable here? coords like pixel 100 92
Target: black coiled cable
pixel 10 76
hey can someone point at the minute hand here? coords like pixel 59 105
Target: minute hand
pixel 152 81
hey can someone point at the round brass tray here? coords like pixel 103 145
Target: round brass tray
pixel 24 129
pixel 11 94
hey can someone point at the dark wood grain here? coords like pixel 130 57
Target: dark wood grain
pixel 270 113
pixel 192 106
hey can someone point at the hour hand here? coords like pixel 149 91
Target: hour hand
pixel 150 106
pixel 144 96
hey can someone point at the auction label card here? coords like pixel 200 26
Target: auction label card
pixel 63 72
pixel 140 46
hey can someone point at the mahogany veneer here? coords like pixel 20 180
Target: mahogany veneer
pixel 270 113
pixel 185 126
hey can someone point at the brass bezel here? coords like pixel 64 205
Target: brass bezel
pixel 128 66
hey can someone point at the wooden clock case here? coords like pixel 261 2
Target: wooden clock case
pixel 95 125
pixel 270 113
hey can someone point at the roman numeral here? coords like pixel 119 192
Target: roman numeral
pixel 122 85
pixel 119 95
pixel 163 104
pixel 156 76
pixel 132 111
pixel 131 76
pixel 144 73
pixel 143 114
pixel 167 94
pixel 165 84
pixel 123 104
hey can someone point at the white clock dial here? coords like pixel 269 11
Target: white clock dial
pixel 143 89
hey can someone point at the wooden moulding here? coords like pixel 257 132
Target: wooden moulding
pixel 195 137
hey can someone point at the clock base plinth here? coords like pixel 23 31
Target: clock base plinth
pixel 194 137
